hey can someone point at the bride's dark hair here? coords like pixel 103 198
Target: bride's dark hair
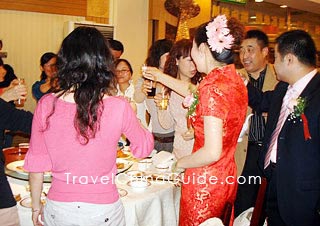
pixel 227 55
pixel 85 67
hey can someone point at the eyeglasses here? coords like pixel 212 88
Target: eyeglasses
pixel 122 71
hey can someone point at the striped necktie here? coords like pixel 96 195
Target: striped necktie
pixel 283 115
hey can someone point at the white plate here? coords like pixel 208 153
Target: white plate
pixel 17 166
pixel 135 173
pixel 126 165
pixel 26 202
pixel 122 192
pixel 162 177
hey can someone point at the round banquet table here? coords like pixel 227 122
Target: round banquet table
pixel 157 205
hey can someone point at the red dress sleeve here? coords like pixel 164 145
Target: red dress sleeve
pixel 213 102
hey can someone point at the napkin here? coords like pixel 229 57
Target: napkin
pixel 244 218
pixel 212 222
pixel 245 128
pixel 163 159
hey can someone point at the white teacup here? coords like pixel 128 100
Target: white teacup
pixel 139 185
pixel 144 164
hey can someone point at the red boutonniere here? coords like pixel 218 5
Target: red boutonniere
pixel 299 105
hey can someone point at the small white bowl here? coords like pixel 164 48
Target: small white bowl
pixel 139 184
pixel 162 168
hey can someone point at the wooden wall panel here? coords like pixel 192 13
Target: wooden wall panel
pixel 98 11
pixel 64 7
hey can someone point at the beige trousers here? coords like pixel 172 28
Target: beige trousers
pixel 9 216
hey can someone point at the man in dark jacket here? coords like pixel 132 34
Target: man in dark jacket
pixel 14 120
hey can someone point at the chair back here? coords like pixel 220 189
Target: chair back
pixel 258 215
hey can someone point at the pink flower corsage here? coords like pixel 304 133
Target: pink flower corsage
pixel 188 100
pixel 191 101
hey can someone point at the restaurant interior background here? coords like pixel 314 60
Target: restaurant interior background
pixel 30 28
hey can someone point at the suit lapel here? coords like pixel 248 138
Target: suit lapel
pixel 311 88
pixel 277 103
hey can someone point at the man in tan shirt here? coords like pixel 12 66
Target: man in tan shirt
pixel 254 58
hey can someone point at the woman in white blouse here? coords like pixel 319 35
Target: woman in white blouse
pixel 179 65
pixel 125 87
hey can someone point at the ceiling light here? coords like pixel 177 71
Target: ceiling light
pixel 258 0
pixel 283 6
pixel 253 17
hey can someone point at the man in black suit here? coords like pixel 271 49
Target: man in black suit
pixel 291 147
pixel 15 120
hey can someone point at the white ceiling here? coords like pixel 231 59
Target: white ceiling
pixel 305 5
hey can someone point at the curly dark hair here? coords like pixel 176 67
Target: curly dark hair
pixel 181 48
pixel 227 55
pixel 157 49
pixel 85 67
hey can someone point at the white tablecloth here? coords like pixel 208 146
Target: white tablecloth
pixel 157 205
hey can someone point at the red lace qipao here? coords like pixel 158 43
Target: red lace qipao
pixel 206 190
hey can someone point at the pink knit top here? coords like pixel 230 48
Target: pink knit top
pixel 83 173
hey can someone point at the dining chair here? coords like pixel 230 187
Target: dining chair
pixel 226 216
pixel 259 215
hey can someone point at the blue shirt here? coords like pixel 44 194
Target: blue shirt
pixel 36 92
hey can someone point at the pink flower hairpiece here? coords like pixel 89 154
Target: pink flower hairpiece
pixel 218 33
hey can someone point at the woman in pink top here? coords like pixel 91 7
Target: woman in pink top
pixel 75 134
